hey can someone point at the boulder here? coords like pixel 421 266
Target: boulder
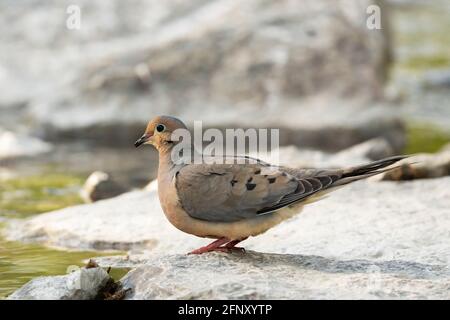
pixel 254 275
pixel 186 58
pixel 80 284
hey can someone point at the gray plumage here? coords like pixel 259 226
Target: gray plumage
pixel 233 192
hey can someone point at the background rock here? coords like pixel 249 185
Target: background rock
pixel 420 166
pixel 292 156
pixel 14 145
pixel 185 58
pixel 81 284
pixel 99 186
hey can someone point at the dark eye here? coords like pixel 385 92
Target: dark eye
pixel 160 128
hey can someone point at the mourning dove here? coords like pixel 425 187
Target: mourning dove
pixel 231 202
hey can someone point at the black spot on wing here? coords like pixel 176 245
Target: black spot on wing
pixel 250 186
pixel 216 173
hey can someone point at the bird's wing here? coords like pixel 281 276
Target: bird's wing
pixel 232 192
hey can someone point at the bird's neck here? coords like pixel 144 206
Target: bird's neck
pixel 166 168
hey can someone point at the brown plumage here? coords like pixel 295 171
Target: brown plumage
pixel 233 201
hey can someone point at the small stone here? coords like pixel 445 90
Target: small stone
pixel 99 186
pixel 82 284
pixel 420 166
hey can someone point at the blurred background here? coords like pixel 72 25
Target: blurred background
pixel 73 101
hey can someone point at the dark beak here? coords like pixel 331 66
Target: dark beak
pixel 142 140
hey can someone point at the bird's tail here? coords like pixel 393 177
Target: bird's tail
pixel 367 170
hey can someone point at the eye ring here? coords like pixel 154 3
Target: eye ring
pixel 160 127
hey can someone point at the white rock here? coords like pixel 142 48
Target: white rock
pixel 81 284
pixel 284 276
pixel 194 59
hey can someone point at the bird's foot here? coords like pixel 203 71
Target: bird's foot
pixel 200 250
pixel 221 245
pixel 231 246
pixel 235 249
pixel 218 249
pixel 211 247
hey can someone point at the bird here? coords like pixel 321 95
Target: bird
pixel 230 202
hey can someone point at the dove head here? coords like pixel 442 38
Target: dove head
pixel 159 132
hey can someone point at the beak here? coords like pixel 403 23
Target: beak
pixel 142 140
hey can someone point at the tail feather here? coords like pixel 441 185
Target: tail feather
pixel 368 170
pixel 371 167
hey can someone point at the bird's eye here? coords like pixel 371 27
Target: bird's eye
pixel 160 128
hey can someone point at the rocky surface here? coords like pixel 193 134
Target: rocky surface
pixel 371 241
pixel 80 284
pixel 282 276
pixel 128 62
pixel 383 240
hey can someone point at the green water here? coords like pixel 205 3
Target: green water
pixel 31 195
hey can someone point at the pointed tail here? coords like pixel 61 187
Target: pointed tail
pixel 368 170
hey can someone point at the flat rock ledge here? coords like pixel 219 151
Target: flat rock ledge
pixel 255 275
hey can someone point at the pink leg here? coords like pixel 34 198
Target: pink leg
pixel 232 245
pixel 210 247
